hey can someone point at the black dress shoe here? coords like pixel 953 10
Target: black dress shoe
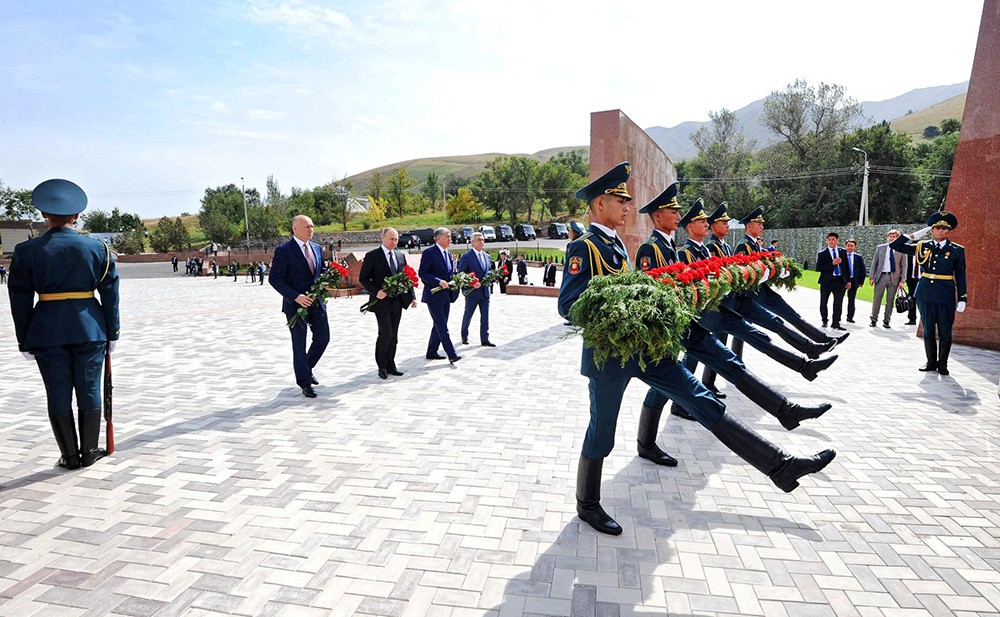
pixel 435 356
pixel 455 359
pixel 308 392
pixel 849 320
pixel 655 454
pixel 313 380
pixel 396 372
pixel 680 412
pixel 465 341
pixel 843 337
pixel 911 323
pixel 487 344
pixel 839 327
pixel 716 392
pixel 885 324
pixel 824 324
pixel 89 458
pixel 383 374
pixel 873 323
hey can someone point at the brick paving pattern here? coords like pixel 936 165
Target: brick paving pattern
pixel 449 491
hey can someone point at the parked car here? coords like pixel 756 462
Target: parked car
pixel 409 241
pixel 488 234
pixel 558 231
pixel 505 234
pixel 426 235
pixel 524 232
pixel 467 232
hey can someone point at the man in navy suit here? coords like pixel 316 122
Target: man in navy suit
pixel 436 270
pixel 68 331
pixel 833 279
pixel 856 272
pixel 296 266
pixel 477 262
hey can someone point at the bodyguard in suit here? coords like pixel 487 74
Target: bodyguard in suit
pixel 549 274
pixel 504 262
pixel 296 266
pixel 68 331
pixel 888 276
pixel 379 264
pixel 833 279
pixel 436 270
pixel 600 252
pixel 522 270
pixel 942 287
pixel 857 273
pixel 479 263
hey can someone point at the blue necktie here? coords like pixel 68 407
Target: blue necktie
pixel 836 269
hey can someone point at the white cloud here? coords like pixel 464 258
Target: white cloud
pixel 300 17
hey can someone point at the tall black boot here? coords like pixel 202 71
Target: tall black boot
pixel 801 343
pixel 649 426
pixel 773 402
pixel 65 432
pixel 588 497
pixel 944 350
pixel 708 378
pixel 931 351
pixel 90 432
pixel 782 468
pixel 809 330
pixel 812 368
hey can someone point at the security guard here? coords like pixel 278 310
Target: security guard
pixel 772 300
pixel 941 289
pixel 68 331
pixel 600 252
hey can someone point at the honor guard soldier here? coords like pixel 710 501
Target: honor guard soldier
pixel 600 252
pixel 68 331
pixel 772 300
pixel 575 230
pixel 941 289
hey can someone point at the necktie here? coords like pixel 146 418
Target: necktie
pixel 447 260
pixel 850 264
pixel 309 257
pixel 482 261
pixel 836 269
pixel 892 261
pixel 392 262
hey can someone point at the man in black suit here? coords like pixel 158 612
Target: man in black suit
pixel 505 262
pixel 856 272
pixel 549 275
pixel 436 270
pixel 833 279
pixel 522 270
pixel 296 267
pixel 379 264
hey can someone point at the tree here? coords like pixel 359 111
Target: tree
pixel 809 119
pixel 397 186
pixel 576 160
pixel 463 208
pixel 375 185
pixel 557 185
pixel 333 203
pixel 265 224
pixel 132 242
pixel 432 189
pixel 950 126
pixel 300 202
pixel 97 221
pixel 508 184
pixel 931 132
pixel 159 236
pixel 725 156
pixel 935 162
pixel 221 214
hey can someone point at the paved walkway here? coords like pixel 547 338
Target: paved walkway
pixel 449 491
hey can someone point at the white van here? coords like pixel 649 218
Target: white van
pixel 488 234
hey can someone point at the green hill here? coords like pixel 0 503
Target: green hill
pixel 915 123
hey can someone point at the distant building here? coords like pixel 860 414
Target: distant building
pixel 13 233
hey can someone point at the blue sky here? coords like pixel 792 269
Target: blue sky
pixel 146 103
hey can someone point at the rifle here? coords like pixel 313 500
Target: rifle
pixel 109 434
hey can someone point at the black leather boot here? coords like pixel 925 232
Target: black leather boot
pixel 588 497
pixel 90 432
pixel 931 351
pixel 65 432
pixel 649 426
pixel 708 378
pixel 773 402
pixel 808 329
pixel 800 343
pixel 680 412
pixel 812 368
pixel 944 350
pixel 782 468
pixel 786 358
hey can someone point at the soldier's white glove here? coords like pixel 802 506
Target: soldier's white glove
pixel 920 233
pixel 766 275
pixel 28 355
pixel 784 273
pixel 112 345
pixel 961 307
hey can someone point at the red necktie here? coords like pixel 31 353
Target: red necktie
pixel 309 257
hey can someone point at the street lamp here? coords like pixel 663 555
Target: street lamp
pixel 246 217
pixel 863 211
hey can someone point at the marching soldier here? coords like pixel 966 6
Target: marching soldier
pixel 601 252
pixel 68 331
pixel 941 290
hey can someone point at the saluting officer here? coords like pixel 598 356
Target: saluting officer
pixel 67 332
pixel 601 252
pixel 941 289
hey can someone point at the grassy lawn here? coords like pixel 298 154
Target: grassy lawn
pixel 810 279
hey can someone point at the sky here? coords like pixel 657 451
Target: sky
pixel 145 104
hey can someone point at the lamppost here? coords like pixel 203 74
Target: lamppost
pixel 863 211
pixel 246 217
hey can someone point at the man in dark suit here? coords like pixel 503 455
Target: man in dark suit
pixel 68 331
pixel 522 270
pixel 504 262
pixel 549 275
pixel 436 270
pixel 379 264
pixel 856 272
pixel 296 266
pixel 477 262
pixel 833 279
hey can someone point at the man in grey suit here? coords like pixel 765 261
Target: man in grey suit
pixel 887 276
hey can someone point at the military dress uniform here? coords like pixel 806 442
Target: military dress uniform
pixel 942 286
pixel 599 253
pixel 68 330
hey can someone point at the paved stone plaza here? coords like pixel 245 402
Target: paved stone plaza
pixel 449 491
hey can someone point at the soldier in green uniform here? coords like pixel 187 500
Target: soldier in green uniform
pixel 941 290
pixel 68 331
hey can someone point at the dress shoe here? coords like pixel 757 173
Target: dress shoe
pixel 717 393
pixel 680 412
pixel 885 324
pixel 487 344
pixel 911 323
pixel 396 372
pixel 435 356
pixel 655 454
pixel 812 368
pixel 873 323
pixel 383 374
pixel 837 326
pixel 850 320
pixel 313 380
pixel 465 341
pixel 824 323
pixel 308 392
pixel 455 359
pixel 840 339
